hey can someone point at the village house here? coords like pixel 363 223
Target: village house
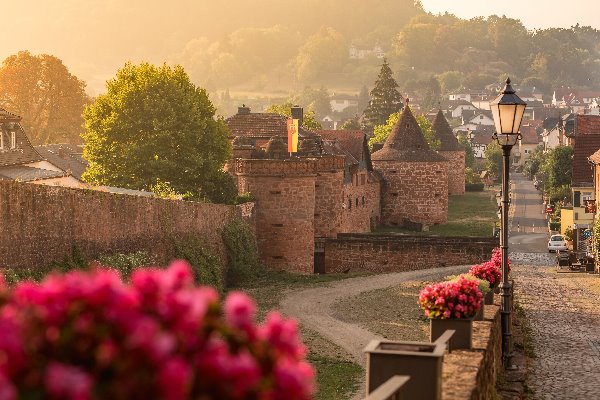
pixel 339 102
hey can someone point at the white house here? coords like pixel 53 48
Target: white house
pixel 339 102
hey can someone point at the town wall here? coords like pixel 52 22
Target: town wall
pixel 456 171
pixel 41 224
pixel 361 200
pixel 398 253
pixel 329 198
pixel 284 191
pixel 415 191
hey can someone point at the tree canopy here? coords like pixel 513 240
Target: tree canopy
pixel 385 98
pixel 153 126
pixel 381 132
pixel 41 90
pixel 309 120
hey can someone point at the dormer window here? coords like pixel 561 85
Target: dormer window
pixel 13 140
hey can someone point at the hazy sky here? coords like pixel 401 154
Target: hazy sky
pixel 533 13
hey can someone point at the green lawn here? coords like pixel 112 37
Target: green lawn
pixel 472 214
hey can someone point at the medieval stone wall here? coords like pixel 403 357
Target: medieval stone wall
pixel 456 171
pixel 41 224
pixel 417 191
pixel 329 196
pixel 397 253
pixel 361 211
pixel 285 206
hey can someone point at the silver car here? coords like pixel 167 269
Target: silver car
pixel 557 242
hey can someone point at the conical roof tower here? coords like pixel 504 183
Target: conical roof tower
pixel 444 133
pixel 406 142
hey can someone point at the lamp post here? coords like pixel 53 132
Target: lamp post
pixel 507 110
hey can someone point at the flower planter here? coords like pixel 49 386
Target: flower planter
pixel 488 298
pixel 462 339
pixel 422 361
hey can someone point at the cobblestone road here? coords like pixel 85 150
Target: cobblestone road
pixel 563 310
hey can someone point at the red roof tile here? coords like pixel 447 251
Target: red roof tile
pixel 587 124
pixel 529 135
pixel 261 125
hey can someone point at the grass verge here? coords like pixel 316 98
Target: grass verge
pixel 471 214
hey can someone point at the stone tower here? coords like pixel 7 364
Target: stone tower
pixel 284 190
pixel 452 151
pixel 415 178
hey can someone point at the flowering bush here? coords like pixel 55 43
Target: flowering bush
pixel 491 270
pixel 88 335
pixel 482 284
pixel 451 299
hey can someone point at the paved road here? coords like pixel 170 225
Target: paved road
pixel 528 230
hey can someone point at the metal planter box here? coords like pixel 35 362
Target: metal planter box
pixel 422 361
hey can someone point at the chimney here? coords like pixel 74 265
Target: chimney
pixel 298 113
pixel 243 110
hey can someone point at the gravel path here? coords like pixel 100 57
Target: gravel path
pixel 564 314
pixel 314 306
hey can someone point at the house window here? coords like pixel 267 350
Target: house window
pixel 576 199
pixel 13 140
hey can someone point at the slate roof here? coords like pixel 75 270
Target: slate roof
pixel 23 154
pixel 444 133
pixel 7 115
pixel 261 125
pixel 482 138
pixel 353 142
pixel 582 173
pixel 28 174
pixel 65 156
pixel 406 142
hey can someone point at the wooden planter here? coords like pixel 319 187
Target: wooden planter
pixel 422 361
pixel 488 298
pixel 462 339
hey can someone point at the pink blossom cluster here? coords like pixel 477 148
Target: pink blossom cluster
pixel 491 270
pixel 88 335
pixel 451 299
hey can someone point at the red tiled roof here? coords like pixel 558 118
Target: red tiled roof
pixel 529 135
pixel 595 157
pixel 587 124
pixel 482 138
pixel 24 152
pixel 585 146
pixel 261 125
pixel 351 141
pixel 444 133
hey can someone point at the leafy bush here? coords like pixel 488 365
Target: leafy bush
pixel 554 226
pixel 126 263
pixel 208 269
pixel 474 187
pixel 242 254
pixel 244 198
pixel 87 335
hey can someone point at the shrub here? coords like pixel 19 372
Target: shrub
pixel 242 254
pixel 126 263
pixel 88 335
pixel 482 284
pixel 244 198
pixel 474 187
pixel 451 299
pixel 208 269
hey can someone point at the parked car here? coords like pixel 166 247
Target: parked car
pixel 557 242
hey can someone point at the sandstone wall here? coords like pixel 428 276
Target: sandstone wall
pixel 417 191
pixel 361 212
pixel 396 253
pixel 285 206
pixel 456 171
pixel 41 224
pixel 329 196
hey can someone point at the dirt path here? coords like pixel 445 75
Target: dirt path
pixel 313 307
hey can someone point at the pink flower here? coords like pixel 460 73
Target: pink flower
pixel 175 379
pixel 239 310
pixel 68 382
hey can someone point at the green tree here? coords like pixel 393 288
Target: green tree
pixel 469 153
pixel 493 159
pixel 381 132
pixel 351 124
pixel 534 162
pixel 385 98
pixel 153 125
pixel 316 100
pixel 323 52
pixel 309 120
pixel 42 91
pixel 363 100
pixel 558 166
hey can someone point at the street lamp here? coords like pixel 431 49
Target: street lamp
pixel 507 110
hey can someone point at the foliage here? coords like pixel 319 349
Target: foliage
pixel 41 90
pixel 163 190
pixel 451 299
pixel 534 162
pixel 469 153
pixel 245 198
pixel 321 54
pixel 596 239
pixel 490 270
pixel 88 335
pixel 482 284
pixel 569 233
pixel 125 264
pixel 558 166
pixel 381 132
pixel 351 124
pixel 336 379
pixel 154 124
pixel 385 98
pixel 309 120
pixel 316 100
pixel 242 255
pixel 560 193
pixel 494 159
pixel 206 266
pixel 474 187
pixel 471 176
